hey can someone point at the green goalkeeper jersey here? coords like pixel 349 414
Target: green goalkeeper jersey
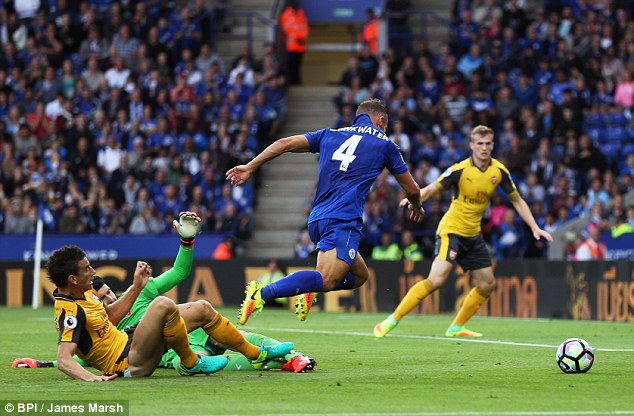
pixel 157 286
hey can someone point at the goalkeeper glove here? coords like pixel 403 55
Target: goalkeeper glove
pixel 187 227
pixel 31 363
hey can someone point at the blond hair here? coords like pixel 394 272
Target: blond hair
pixel 481 131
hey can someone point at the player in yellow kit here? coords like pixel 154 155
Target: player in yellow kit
pixel 459 238
pixel 88 329
pixel 225 335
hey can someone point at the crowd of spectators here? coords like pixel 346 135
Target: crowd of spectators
pixel 116 116
pixel 555 83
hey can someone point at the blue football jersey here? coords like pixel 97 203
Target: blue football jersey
pixel 350 159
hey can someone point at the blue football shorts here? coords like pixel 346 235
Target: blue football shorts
pixel 344 235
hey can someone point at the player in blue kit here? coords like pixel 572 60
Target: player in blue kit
pixel 350 159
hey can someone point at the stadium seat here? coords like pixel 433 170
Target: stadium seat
pixel 617 119
pixel 595 121
pixel 614 134
pixel 611 151
pixel 627 149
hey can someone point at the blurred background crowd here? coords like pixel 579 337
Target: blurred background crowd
pixel 115 116
pixel 555 82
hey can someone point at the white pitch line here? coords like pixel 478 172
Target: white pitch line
pixel 482 341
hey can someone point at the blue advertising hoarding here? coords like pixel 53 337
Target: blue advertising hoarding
pixel 102 247
pixel 620 248
pixel 338 11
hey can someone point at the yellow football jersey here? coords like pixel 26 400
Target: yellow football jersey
pixel 472 189
pixel 85 322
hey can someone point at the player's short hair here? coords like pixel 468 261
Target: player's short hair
pixel 481 131
pixel 374 107
pixel 63 262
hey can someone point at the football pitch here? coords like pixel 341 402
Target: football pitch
pixel 414 371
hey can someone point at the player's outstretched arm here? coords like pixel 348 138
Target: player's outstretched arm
pixel 238 175
pixel 430 190
pixel 120 308
pixel 71 368
pixel 33 363
pixel 425 193
pixel 525 212
pixel 187 227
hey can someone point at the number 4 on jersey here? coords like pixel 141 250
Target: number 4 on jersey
pixel 345 152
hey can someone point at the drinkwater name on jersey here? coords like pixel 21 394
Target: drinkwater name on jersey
pixel 365 130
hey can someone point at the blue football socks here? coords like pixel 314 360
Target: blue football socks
pixel 303 281
pixel 346 283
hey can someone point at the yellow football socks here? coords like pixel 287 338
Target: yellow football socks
pixel 223 331
pixel 470 306
pixel 414 296
pixel 175 333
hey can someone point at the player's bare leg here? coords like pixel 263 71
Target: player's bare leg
pixel 360 271
pixel 439 272
pixel 147 345
pixel 196 314
pixel 485 279
pixel 162 323
pixel 332 268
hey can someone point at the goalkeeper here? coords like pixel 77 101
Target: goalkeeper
pixel 203 344
pixel 219 328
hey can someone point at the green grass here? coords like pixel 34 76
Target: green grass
pixel 413 371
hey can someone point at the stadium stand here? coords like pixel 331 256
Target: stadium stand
pixel 115 116
pixel 545 76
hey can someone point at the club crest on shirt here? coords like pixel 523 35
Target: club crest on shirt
pixel 494 179
pixel 70 322
pixel 352 253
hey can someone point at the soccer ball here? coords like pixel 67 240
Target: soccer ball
pixel 575 355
